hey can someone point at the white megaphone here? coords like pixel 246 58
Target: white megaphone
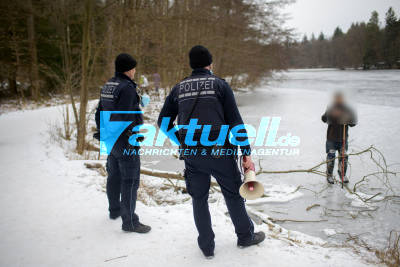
pixel 251 189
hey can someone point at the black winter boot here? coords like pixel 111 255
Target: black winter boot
pixel 329 168
pixel 257 238
pixel 137 228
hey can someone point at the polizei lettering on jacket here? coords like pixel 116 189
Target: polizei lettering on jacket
pixel 191 87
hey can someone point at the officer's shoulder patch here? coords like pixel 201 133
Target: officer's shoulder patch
pixel 218 78
pixel 112 83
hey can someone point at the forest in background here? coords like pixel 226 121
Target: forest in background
pixel 68 47
pixel 62 45
pixel 364 46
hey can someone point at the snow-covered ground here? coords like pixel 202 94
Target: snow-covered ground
pixel 54 213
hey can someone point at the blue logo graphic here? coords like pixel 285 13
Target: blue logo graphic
pixel 120 124
pixel 112 125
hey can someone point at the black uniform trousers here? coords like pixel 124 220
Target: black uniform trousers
pixel 122 185
pixel 226 172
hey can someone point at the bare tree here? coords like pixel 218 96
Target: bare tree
pixel 34 72
pixel 86 51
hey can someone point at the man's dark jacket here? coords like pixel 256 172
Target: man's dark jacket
pixel 336 124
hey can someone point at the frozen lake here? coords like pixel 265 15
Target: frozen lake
pixel 300 98
pixel 380 87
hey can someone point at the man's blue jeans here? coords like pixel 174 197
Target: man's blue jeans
pixel 331 148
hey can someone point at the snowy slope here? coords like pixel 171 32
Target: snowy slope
pixel 54 215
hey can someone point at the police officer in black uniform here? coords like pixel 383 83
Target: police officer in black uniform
pixel 119 94
pixel 210 99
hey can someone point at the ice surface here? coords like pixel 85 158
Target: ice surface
pixel 329 232
pixel 300 99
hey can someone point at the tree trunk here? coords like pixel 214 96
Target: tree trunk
pixel 85 56
pixel 109 42
pixel 13 75
pixel 12 79
pixel 34 73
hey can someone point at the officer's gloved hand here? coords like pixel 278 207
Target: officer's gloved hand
pixel 144 100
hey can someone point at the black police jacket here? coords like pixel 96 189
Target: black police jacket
pixel 119 94
pixel 215 105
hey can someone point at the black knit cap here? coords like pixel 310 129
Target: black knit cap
pixel 199 57
pixel 124 62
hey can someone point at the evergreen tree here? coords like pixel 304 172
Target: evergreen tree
pixel 337 33
pixel 305 39
pixel 338 49
pixel 373 42
pixel 313 38
pixel 392 37
pixel 355 44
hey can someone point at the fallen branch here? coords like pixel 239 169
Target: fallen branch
pixel 146 171
pixel 313 169
pixel 312 206
pixel 162 174
pixel 380 162
pixel 116 258
pixel 296 221
pixel 383 170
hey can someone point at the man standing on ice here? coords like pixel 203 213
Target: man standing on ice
pixel 119 94
pixel 210 100
pixel 339 116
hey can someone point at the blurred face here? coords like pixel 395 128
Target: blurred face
pixel 338 99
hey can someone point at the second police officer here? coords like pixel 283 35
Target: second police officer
pixel 120 94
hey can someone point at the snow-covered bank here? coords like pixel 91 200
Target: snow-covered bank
pixel 53 214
